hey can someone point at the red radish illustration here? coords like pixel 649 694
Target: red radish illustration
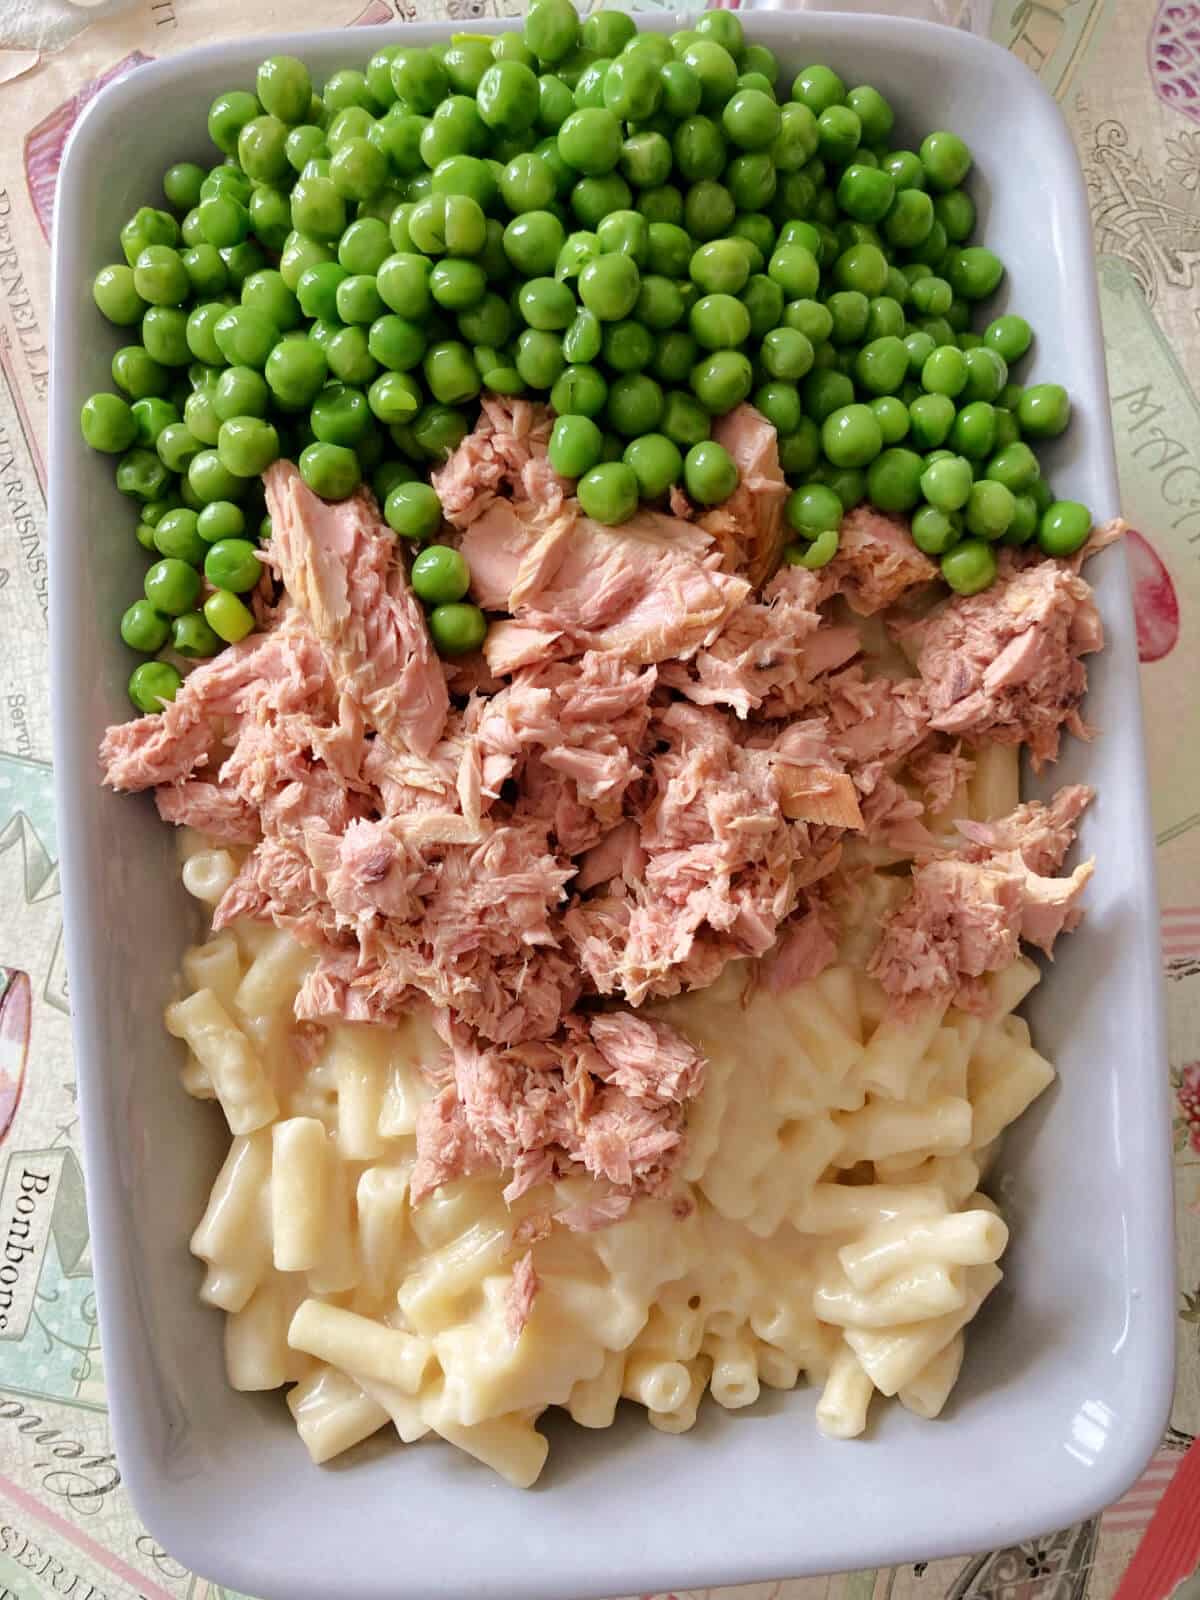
pixel 16 1006
pixel 1173 49
pixel 1155 605
pixel 44 144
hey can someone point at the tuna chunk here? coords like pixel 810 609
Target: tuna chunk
pixel 539 1111
pixel 964 919
pixel 522 1290
pixel 277 672
pixel 210 809
pixel 723 866
pixel 505 450
pixel 1005 664
pixel 646 1060
pixel 336 563
pixel 765 651
pixel 874 722
pixel 1040 834
pixel 748 526
pixel 805 948
pixel 648 590
pixel 877 561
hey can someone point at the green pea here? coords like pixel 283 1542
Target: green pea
pixel 763 300
pixel 945 371
pixel 990 509
pixel 946 160
pixel 1025 520
pixel 330 470
pixel 193 637
pixel 176 536
pixel 145 629
pixel 609 285
pixel 178 446
pixel 1064 528
pixel 1044 410
pixel 974 272
pixel 663 206
pixel 608 493
pixel 627 346
pixel 882 365
pixel 108 423
pixel 340 415
pixel 200 417
pixel 779 402
pixel 786 353
pixel 824 392
pixel 813 509
pixel 164 335
pixel 403 285
pixel 818 87
pixel 646 160
pixel 894 479
pixel 719 322
pixel 575 446
pixel 580 391
pixel 795 270
pixel 969 566
pixel 211 480
pixel 635 403
pixel 931 416
pixel 656 462
pixel 532 243
pixel 232 564
pixel 709 473
pixel 819 553
pixel 247 446
pixel 228 617
pixel 799 452
pixel 1015 466
pixel 151 417
pixel 608 32
pixel 865 193
pixel 440 576
pixel 172 587
pixel 946 483
pixel 141 475
pixel 974 432
pixel 153 683
pixel 933 531
pixel 583 340
pixel 220 520
pixel 116 296
pixel 181 185
pixel 394 397
pixel 851 436
pixel 715 68
pixel 413 510
pixel 242 261
pixel 457 629
pixel 633 88
pixel 295 372
pixel 722 380
pixel 348 353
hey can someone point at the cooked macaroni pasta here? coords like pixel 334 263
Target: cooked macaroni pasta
pixel 826 1223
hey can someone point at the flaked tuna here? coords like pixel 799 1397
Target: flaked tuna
pixel 749 526
pixel 649 590
pixel 1004 665
pixel 1041 834
pixel 506 450
pixel 337 563
pixel 877 561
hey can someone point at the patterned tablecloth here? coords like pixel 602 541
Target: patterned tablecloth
pixel 1127 75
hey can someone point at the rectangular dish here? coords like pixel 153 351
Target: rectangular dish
pixel 1068 1376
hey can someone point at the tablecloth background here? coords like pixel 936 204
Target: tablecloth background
pixel 1127 75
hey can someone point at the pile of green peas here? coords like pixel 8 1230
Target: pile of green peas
pixel 646 230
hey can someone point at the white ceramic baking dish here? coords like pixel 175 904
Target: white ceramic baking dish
pixel 1068 1371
